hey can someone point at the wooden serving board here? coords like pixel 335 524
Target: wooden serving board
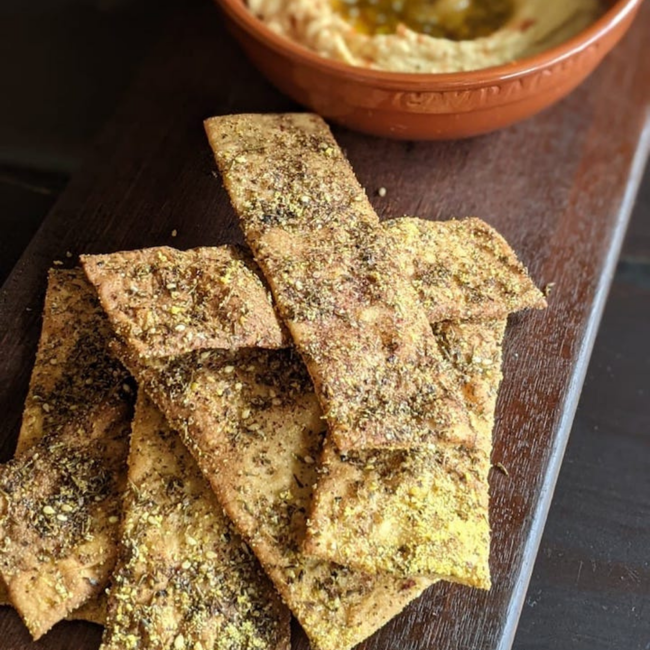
pixel 559 187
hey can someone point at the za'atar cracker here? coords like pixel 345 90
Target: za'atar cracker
pixel 418 511
pixel 60 497
pixel 165 302
pixel 343 294
pixel 184 577
pixel 462 269
pixel 255 427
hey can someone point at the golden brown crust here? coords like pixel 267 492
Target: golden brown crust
pixel 168 302
pixel 405 512
pixel 59 514
pixel 339 287
pixel 184 578
pixel 419 511
pixel 462 269
pixel 67 296
pixel 254 425
pixel 60 499
pixel 73 372
pixel 93 611
pixel 475 350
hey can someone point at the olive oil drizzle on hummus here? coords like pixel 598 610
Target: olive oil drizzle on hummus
pixel 456 20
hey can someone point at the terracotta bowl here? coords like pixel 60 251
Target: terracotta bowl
pixel 427 106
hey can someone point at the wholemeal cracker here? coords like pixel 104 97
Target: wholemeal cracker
pixel 462 269
pixel 254 425
pixel 168 302
pixel 59 503
pixel 406 512
pixel 184 577
pixel 418 511
pixel 73 372
pixel 59 514
pixel 337 284
pixel 66 296
pixel 94 611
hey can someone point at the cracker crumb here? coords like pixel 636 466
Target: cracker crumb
pixel 501 468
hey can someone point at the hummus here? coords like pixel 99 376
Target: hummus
pixel 322 26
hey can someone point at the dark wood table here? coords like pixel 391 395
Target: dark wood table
pixel 560 187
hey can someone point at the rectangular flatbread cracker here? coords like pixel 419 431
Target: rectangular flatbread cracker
pixel 60 497
pixel 254 425
pixel 405 513
pixel 59 515
pixel 93 611
pixel 337 284
pixel 73 373
pixel 62 304
pixel 184 577
pixel 418 511
pixel 167 302
pixel 462 270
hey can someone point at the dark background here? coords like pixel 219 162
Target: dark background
pixel 64 66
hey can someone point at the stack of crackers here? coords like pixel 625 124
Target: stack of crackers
pixel 223 436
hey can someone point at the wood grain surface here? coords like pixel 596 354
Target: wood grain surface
pixel 591 584
pixel 559 187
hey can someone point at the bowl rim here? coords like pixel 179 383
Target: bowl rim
pixel 615 14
